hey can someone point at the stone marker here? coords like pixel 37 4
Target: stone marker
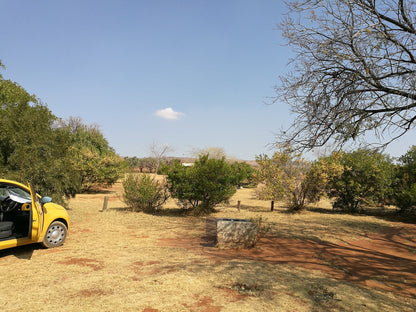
pixel 231 233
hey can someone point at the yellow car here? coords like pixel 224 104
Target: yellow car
pixel 26 217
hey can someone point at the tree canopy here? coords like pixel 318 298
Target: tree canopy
pixel 282 176
pixel 404 192
pixel 31 148
pixel 59 158
pixel 206 184
pixel 365 180
pixel 94 160
pixel 353 73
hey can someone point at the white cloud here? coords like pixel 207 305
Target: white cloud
pixel 168 113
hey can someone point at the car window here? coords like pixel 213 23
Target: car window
pixel 7 189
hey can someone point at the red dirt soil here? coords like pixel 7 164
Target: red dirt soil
pixel 385 261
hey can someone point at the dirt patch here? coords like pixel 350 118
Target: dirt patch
pixel 205 304
pixel 85 231
pixel 53 250
pixel 91 263
pixel 383 261
pixel 234 294
pixel 93 292
pixel 151 268
pixel 138 236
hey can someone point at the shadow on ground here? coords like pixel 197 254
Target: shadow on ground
pixel 21 252
pixel 384 261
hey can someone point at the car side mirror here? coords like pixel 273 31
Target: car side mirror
pixel 45 199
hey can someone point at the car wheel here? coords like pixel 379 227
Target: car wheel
pixel 55 235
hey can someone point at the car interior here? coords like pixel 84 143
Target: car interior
pixel 15 212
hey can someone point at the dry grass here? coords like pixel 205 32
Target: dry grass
pixel 115 260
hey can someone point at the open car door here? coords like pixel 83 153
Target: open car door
pixel 37 214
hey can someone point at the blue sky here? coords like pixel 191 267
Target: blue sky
pixel 190 74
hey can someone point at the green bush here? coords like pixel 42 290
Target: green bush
pixel 206 184
pixel 405 184
pixel 144 193
pixel 283 177
pixel 365 180
pixel 95 161
pixel 244 173
pixel 406 199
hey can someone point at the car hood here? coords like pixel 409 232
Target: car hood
pixel 53 207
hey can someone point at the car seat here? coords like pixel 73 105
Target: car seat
pixel 6 228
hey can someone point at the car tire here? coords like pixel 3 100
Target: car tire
pixel 55 235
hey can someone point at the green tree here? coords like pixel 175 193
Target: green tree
pixel 94 159
pixel 133 163
pixel 353 71
pixel 283 177
pixel 366 179
pixel 206 184
pixel 244 174
pixel 320 175
pixel 144 193
pixel 148 164
pixel 31 147
pixel 405 187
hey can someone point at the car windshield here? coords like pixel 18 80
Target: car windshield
pixel 19 198
pixel 11 190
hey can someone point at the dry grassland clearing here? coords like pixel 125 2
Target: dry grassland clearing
pixel 116 260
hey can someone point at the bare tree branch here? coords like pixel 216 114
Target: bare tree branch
pixel 354 71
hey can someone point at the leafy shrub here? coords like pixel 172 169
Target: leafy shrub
pixel 405 184
pixel 283 177
pixel 95 161
pixel 406 199
pixel 365 180
pixel 144 193
pixel 206 184
pixel 97 170
pixel 244 173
